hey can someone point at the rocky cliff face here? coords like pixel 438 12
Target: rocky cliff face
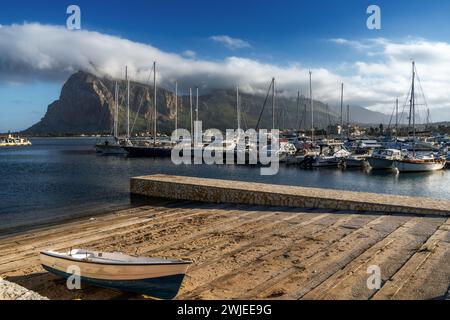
pixel 86 105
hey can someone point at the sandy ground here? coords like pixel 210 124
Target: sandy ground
pixel 250 252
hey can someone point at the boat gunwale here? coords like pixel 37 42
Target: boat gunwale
pixel 422 161
pixel 180 262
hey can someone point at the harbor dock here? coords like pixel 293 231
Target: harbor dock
pixel 254 250
pixel 239 192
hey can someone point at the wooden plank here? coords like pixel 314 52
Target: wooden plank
pixel 178 234
pixel 426 275
pixel 136 239
pixel 87 227
pixel 390 255
pixel 228 240
pixel 206 276
pixel 309 272
pixel 246 283
pixel 98 229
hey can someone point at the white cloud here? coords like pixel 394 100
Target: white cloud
pixel 231 43
pixel 190 54
pixel 351 43
pixel 386 74
pixel 43 52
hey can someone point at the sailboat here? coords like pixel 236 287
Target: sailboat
pixel 113 146
pixel 145 148
pixel 413 162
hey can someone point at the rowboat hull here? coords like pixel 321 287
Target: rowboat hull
pixel 161 281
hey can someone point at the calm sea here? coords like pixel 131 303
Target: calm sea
pixel 59 178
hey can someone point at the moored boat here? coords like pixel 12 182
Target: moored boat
pixel 110 147
pixel 147 149
pixel 356 161
pixel 158 278
pixel 383 159
pixel 11 141
pixel 413 162
pixel 331 155
pixel 416 164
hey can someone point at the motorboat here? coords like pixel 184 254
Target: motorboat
pixel 383 159
pixel 356 161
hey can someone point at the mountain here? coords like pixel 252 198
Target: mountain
pixel 86 106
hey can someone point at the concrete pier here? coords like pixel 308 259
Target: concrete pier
pixel 235 192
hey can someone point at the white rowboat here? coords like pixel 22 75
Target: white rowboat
pixel 159 278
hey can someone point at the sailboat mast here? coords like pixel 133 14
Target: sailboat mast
pixel 305 113
pixel 192 116
pixel 342 110
pixel 128 102
pixel 273 104
pixel 238 109
pixel 328 119
pixel 348 121
pixel 413 106
pixel 176 105
pixel 155 129
pixel 396 119
pixel 312 106
pixel 298 110
pixel 196 107
pixel 116 111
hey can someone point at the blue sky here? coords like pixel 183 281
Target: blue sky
pixel 280 33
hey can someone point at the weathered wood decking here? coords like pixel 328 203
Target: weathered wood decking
pixel 252 252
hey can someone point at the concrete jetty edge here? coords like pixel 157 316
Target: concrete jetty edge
pixel 237 192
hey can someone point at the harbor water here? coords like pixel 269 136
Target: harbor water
pixel 60 178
